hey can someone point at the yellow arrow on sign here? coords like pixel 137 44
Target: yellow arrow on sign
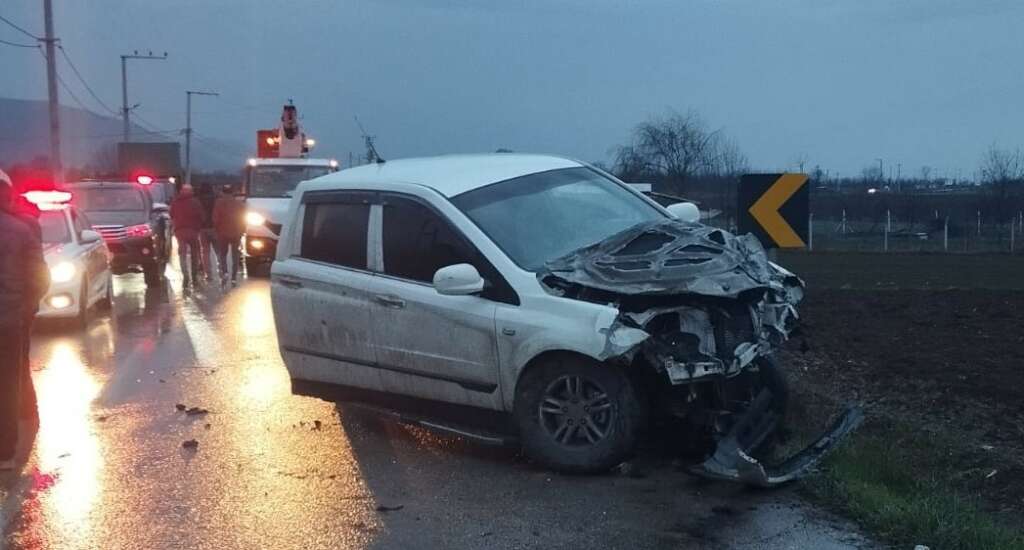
pixel 766 210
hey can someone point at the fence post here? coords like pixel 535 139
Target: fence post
pixel 1012 228
pixel 810 231
pixel 979 223
pixel 844 221
pixel 945 235
pixel 888 223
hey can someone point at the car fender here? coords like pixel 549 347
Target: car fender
pixel 558 325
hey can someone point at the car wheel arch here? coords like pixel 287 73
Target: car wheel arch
pixel 539 359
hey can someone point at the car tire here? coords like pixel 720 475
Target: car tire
pixel 153 273
pixel 577 415
pixel 107 302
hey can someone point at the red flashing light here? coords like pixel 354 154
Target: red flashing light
pixel 144 180
pixel 48 200
pixel 135 231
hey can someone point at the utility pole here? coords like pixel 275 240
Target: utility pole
pixel 127 132
pixel 188 131
pixel 881 173
pixel 56 169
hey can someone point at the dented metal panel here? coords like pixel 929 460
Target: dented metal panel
pixel 668 257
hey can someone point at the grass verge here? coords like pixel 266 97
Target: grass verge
pixel 905 487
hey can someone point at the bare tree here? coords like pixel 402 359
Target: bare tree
pixel 674 147
pixel 926 173
pixel 724 158
pixel 1003 171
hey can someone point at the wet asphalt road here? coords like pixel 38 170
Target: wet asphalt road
pixel 107 469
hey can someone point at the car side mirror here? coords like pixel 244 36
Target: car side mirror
pixel 160 208
pixel 684 211
pixel 89 236
pixel 458 280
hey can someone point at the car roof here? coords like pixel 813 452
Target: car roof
pixel 449 175
pixel 278 161
pixel 99 184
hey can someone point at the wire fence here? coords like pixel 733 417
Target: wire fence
pixel 940 233
pixel 888 233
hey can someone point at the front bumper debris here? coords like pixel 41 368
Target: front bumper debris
pixel 731 460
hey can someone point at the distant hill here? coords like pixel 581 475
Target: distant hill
pixel 89 139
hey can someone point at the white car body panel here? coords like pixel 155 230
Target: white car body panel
pixel 421 341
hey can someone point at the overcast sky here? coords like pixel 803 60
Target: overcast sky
pixel 839 82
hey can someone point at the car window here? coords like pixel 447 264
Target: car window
pixel 110 199
pixel 54 228
pixel 418 242
pixel 335 233
pixel 540 217
pixel 77 222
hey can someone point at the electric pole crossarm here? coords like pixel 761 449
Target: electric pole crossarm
pixel 125 110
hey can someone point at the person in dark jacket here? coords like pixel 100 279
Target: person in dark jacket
pixel 29 214
pixel 229 224
pixel 207 236
pixel 188 219
pixel 21 266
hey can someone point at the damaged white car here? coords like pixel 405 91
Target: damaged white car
pixel 542 296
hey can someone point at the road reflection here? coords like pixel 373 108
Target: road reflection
pixel 66 390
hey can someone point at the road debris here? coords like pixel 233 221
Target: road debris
pixel 196 411
pixel 383 508
pixel 180 407
pixel 190 444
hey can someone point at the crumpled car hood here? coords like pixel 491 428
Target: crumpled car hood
pixel 669 257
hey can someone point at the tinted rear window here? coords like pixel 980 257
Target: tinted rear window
pixel 335 233
pixel 109 199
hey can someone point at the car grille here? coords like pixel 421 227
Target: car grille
pixel 111 232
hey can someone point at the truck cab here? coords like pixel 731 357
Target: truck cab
pixel 268 185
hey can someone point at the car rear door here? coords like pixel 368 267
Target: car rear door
pixel 418 331
pixel 320 292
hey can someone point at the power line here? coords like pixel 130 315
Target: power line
pixel 93 136
pixel 67 88
pixel 16 45
pixel 23 31
pixel 84 83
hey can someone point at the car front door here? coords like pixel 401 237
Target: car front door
pixel 321 294
pixel 418 331
pixel 95 258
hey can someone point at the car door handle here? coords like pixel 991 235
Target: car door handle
pixel 390 301
pixel 290 283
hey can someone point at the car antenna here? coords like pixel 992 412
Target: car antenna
pixel 371 151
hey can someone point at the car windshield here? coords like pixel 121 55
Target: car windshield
pixel 54 227
pixel 109 199
pixel 544 216
pixel 280 181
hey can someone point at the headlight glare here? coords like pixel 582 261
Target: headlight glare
pixel 254 218
pixel 63 272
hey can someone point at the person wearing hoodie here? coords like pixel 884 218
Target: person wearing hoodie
pixel 188 220
pixel 229 224
pixel 24 278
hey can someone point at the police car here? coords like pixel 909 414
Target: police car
pixel 78 259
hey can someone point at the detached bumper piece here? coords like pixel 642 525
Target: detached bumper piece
pixel 732 462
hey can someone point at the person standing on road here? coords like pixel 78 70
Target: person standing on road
pixel 21 263
pixel 229 224
pixel 29 215
pixel 207 236
pixel 188 219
